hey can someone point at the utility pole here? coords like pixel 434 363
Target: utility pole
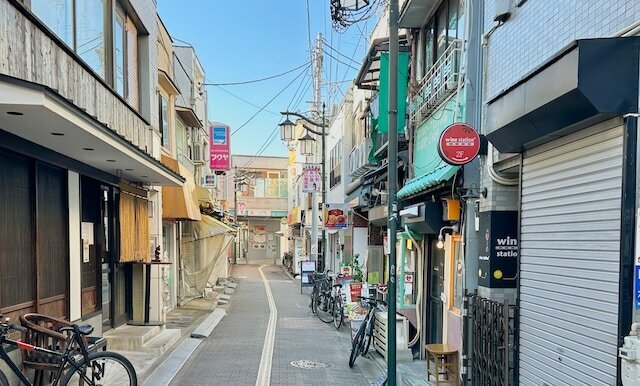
pixel 393 187
pixel 235 214
pixel 317 105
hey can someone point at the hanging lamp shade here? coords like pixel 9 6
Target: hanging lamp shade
pixel 307 144
pixel 286 130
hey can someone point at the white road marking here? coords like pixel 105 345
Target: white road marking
pixel 264 372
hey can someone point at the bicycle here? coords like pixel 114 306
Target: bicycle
pixel 362 340
pixel 319 285
pixel 329 304
pixel 83 368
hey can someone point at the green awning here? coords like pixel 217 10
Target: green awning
pixel 443 172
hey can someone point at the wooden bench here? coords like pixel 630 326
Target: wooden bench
pixel 43 331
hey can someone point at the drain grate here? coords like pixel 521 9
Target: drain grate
pixel 307 364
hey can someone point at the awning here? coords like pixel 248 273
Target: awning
pixel 216 226
pixel 180 203
pixel 443 173
pixel 188 116
pixel 591 81
pixel 414 13
pixel 167 83
pixel 368 76
pixel 204 197
pixel 38 111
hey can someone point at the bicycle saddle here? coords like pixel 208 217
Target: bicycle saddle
pixel 84 329
pixel 337 285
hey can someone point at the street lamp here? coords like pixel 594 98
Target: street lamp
pixel 307 148
pixel 286 130
pixel 307 145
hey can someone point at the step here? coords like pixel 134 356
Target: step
pixel 131 338
pixel 162 342
pixel 232 285
pixel 229 291
pixel 206 327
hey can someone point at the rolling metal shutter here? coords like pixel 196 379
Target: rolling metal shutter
pixel 570 250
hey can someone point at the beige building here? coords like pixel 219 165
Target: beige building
pixel 261 205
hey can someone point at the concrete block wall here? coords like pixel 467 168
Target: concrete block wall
pixel 499 197
pixel 538 29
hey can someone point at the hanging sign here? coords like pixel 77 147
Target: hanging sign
pixel 335 216
pixel 311 178
pixel 220 148
pixel 459 144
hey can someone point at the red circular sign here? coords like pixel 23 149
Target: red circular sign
pixel 459 144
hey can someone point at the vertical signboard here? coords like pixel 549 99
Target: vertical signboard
pixel 311 178
pixel 499 247
pixel 220 149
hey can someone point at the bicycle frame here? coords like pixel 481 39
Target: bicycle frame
pixel 65 358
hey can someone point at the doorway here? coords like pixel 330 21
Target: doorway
pixel 435 306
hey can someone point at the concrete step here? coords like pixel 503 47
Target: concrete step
pixel 131 338
pixel 162 342
pixel 206 327
pixel 229 291
pixel 232 285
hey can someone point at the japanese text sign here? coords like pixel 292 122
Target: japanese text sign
pixel 311 178
pixel 220 149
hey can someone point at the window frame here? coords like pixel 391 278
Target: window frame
pixel 166 145
pixel 118 12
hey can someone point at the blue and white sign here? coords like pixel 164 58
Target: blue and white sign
pixel 220 135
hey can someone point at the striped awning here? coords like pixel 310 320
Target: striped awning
pixel 416 185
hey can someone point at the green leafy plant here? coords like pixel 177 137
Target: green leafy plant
pixel 356 269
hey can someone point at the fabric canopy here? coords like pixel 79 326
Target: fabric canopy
pixel 180 203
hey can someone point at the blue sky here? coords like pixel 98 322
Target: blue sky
pixel 241 41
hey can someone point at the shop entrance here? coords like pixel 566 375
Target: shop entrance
pixel 435 306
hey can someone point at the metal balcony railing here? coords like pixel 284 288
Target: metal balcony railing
pixel 186 162
pixel 359 159
pixel 438 83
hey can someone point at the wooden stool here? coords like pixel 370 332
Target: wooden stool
pixel 445 360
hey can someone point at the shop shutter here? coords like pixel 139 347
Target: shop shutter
pixel 570 250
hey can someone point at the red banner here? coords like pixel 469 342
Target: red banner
pixel 220 148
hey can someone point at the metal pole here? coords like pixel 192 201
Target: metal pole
pixel 324 184
pixel 393 182
pixel 314 228
pixel 235 214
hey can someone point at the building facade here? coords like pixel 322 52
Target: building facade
pixel 260 186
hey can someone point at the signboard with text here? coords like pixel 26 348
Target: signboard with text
pixel 311 178
pixel 499 249
pixel 220 149
pixel 459 144
pixel 336 216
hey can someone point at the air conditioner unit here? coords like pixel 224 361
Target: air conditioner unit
pixel 501 10
pixel 197 155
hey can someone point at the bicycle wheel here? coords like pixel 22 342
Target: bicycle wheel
pixel 338 312
pixel 102 368
pixel 3 380
pixel 323 308
pixel 356 345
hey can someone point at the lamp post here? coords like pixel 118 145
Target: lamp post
pixel 306 143
pixel 238 181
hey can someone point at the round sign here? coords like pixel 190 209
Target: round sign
pixel 459 144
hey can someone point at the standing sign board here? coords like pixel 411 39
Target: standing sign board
pixel 311 178
pixel 307 268
pixel 220 149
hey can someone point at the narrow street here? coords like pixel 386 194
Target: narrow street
pixel 233 355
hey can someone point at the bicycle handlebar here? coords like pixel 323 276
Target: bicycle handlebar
pixel 376 301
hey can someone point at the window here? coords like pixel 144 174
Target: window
pixel 83 26
pixel 269 184
pixel 181 133
pixel 119 54
pixel 164 122
pixel 335 165
pixel 58 16
pixel 90 36
pixel 441 30
pixel 457 269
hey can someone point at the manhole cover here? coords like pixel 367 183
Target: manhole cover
pixel 307 364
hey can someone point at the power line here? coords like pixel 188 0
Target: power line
pixel 340 53
pixel 257 80
pixel 267 104
pixel 244 100
pixel 339 61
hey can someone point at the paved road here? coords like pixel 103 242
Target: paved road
pixel 233 353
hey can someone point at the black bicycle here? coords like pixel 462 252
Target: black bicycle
pixel 82 368
pixel 329 304
pixel 320 284
pixel 362 340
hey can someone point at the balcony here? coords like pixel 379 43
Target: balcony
pixel 439 82
pixel 186 162
pixel 359 159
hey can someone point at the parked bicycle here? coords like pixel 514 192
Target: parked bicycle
pixel 362 340
pixel 329 305
pixel 287 261
pixel 82 368
pixel 319 284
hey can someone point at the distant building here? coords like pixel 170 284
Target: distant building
pixel 261 186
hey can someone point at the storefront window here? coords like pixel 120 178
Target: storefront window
pixel 90 34
pixel 457 269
